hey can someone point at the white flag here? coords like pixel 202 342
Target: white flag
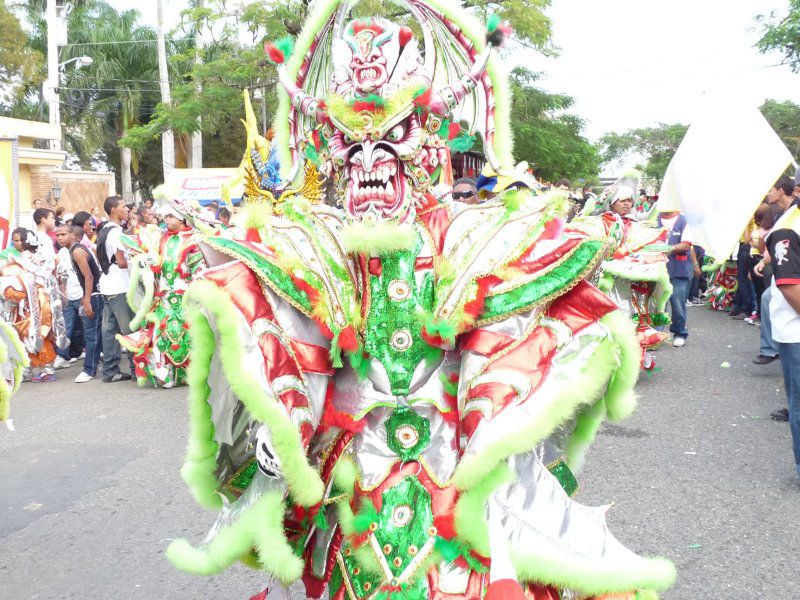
pixel 726 164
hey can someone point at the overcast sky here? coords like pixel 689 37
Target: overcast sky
pixel 634 63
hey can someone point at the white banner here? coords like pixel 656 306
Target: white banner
pixel 726 164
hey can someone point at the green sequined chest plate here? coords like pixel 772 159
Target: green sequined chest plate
pixel 393 328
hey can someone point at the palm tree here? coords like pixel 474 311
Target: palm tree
pixel 121 81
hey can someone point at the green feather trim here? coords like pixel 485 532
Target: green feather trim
pixel 285 45
pixel 260 526
pixel 470 521
pixel 462 143
pixel 365 517
pixel 360 363
pixel 319 520
pixel 379 239
pixel 450 387
pixel 444 329
pixel 312 155
pixel 140 273
pixel 304 482
pixel 492 22
pixel 19 360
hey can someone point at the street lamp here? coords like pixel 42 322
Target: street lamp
pixel 81 61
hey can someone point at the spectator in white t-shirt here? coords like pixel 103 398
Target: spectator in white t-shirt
pixel 45 220
pixel 113 286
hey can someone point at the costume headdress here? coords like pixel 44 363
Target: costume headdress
pixel 377 112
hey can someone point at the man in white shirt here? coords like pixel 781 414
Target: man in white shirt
pixel 114 287
pixel 783 244
pixel 71 288
pixel 45 221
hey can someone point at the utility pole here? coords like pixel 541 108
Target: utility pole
pixel 197 136
pixel 167 140
pixel 51 86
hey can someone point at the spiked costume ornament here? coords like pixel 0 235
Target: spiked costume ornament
pixel 389 399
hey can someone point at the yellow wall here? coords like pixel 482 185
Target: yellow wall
pixel 24 189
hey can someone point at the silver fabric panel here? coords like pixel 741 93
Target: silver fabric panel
pixel 374 457
pixel 296 325
pixel 537 517
pixel 231 511
pixel 573 358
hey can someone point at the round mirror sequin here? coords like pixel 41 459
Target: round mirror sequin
pixel 399 290
pixel 401 340
pixel 402 515
pixel 407 436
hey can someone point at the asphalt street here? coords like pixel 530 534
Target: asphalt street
pixel 90 491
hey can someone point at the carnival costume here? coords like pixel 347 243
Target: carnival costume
pixel 162 265
pixel 32 305
pixel 635 273
pixel 724 285
pixel 13 361
pixel 386 399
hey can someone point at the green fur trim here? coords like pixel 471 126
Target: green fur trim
pixel 304 482
pixel 144 274
pixel 261 527
pixel 591 576
pixel 379 239
pixel 513 199
pixel 285 45
pixel 614 368
pixel 256 214
pixel 620 400
pixel 10 337
pixel 322 11
pixel 586 426
pixel 200 465
pixel 443 329
pixel 470 521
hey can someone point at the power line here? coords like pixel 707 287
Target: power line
pixel 148 41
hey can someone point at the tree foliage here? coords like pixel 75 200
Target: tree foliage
pixel 545 135
pixel 784 117
pixel 21 66
pixel 781 34
pixel 657 145
pixel 234 60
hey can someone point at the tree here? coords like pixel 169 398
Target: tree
pixel 21 66
pixel 234 60
pixel 117 88
pixel 545 135
pixel 782 34
pixel 657 145
pixel 784 117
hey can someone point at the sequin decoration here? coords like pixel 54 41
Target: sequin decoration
pixel 565 477
pixel 402 515
pixel 528 295
pixel 393 327
pixel 399 290
pixel 407 433
pixel 414 503
pixel 401 340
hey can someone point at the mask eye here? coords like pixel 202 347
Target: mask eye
pixel 348 139
pixel 396 133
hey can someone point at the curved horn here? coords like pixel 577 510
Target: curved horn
pixel 308 105
pixel 448 98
